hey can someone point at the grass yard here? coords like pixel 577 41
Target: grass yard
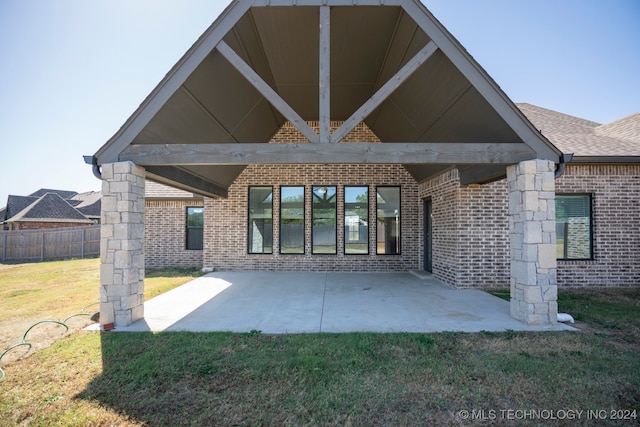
pixel 56 290
pixel 173 379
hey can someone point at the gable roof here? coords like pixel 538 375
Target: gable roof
pixel 88 203
pixel 50 208
pixel 15 204
pixel 618 141
pixel 626 128
pixel 387 63
pixel 62 193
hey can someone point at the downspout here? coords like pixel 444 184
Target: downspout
pixel 93 161
pixel 564 159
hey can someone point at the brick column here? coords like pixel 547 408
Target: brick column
pixel 532 232
pixel 122 244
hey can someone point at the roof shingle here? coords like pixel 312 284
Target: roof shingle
pixel 50 207
pixel 584 137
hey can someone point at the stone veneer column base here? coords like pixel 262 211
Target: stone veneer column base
pixel 532 233
pixel 122 244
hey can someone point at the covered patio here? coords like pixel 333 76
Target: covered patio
pixel 327 67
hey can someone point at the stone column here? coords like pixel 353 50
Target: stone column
pixel 122 244
pixel 532 232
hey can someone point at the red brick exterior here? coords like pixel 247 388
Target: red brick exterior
pixel 470 223
pixel 470 231
pixel 470 228
pixel 225 233
pixel 226 221
pixel 615 191
pixel 166 234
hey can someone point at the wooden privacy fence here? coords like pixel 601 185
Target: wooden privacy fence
pixel 49 244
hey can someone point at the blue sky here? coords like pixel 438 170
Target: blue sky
pixel 72 71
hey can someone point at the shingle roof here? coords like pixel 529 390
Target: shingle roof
pixel 17 203
pixel 49 208
pixel 62 193
pixel 88 203
pixel 627 128
pixel 584 137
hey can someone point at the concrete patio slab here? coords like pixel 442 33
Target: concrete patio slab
pixel 312 302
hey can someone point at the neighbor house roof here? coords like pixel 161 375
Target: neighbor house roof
pixel 387 63
pixel 88 203
pixel 50 207
pixel 618 141
pixel 15 204
pixel 62 193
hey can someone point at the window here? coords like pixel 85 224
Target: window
pixel 388 226
pixel 292 220
pixel 573 227
pixel 323 218
pixel 195 225
pixel 260 239
pixel 356 220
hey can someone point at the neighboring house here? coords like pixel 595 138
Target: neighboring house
pixel 392 151
pixel 48 208
pixel 173 220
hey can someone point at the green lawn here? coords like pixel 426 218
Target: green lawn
pixel 358 379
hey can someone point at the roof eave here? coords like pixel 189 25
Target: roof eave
pixel 110 151
pixel 484 84
pixel 606 159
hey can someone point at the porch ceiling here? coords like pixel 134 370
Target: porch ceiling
pixel 208 118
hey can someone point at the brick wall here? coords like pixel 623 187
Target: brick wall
pixel 226 221
pixel 165 234
pixel 444 194
pixel 483 223
pixel 615 190
pixel 470 228
pixel 470 223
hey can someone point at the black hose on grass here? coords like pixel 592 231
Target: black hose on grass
pixel 26 343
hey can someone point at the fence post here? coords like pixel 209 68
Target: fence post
pixel 4 247
pixel 42 248
pixel 82 245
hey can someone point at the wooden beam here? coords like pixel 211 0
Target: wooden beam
pixel 172 81
pixel 206 111
pixel 179 178
pixel 266 91
pixel 384 92
pixel 354 153
pixel 325 74
pixel 481 81
pixel 267 3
